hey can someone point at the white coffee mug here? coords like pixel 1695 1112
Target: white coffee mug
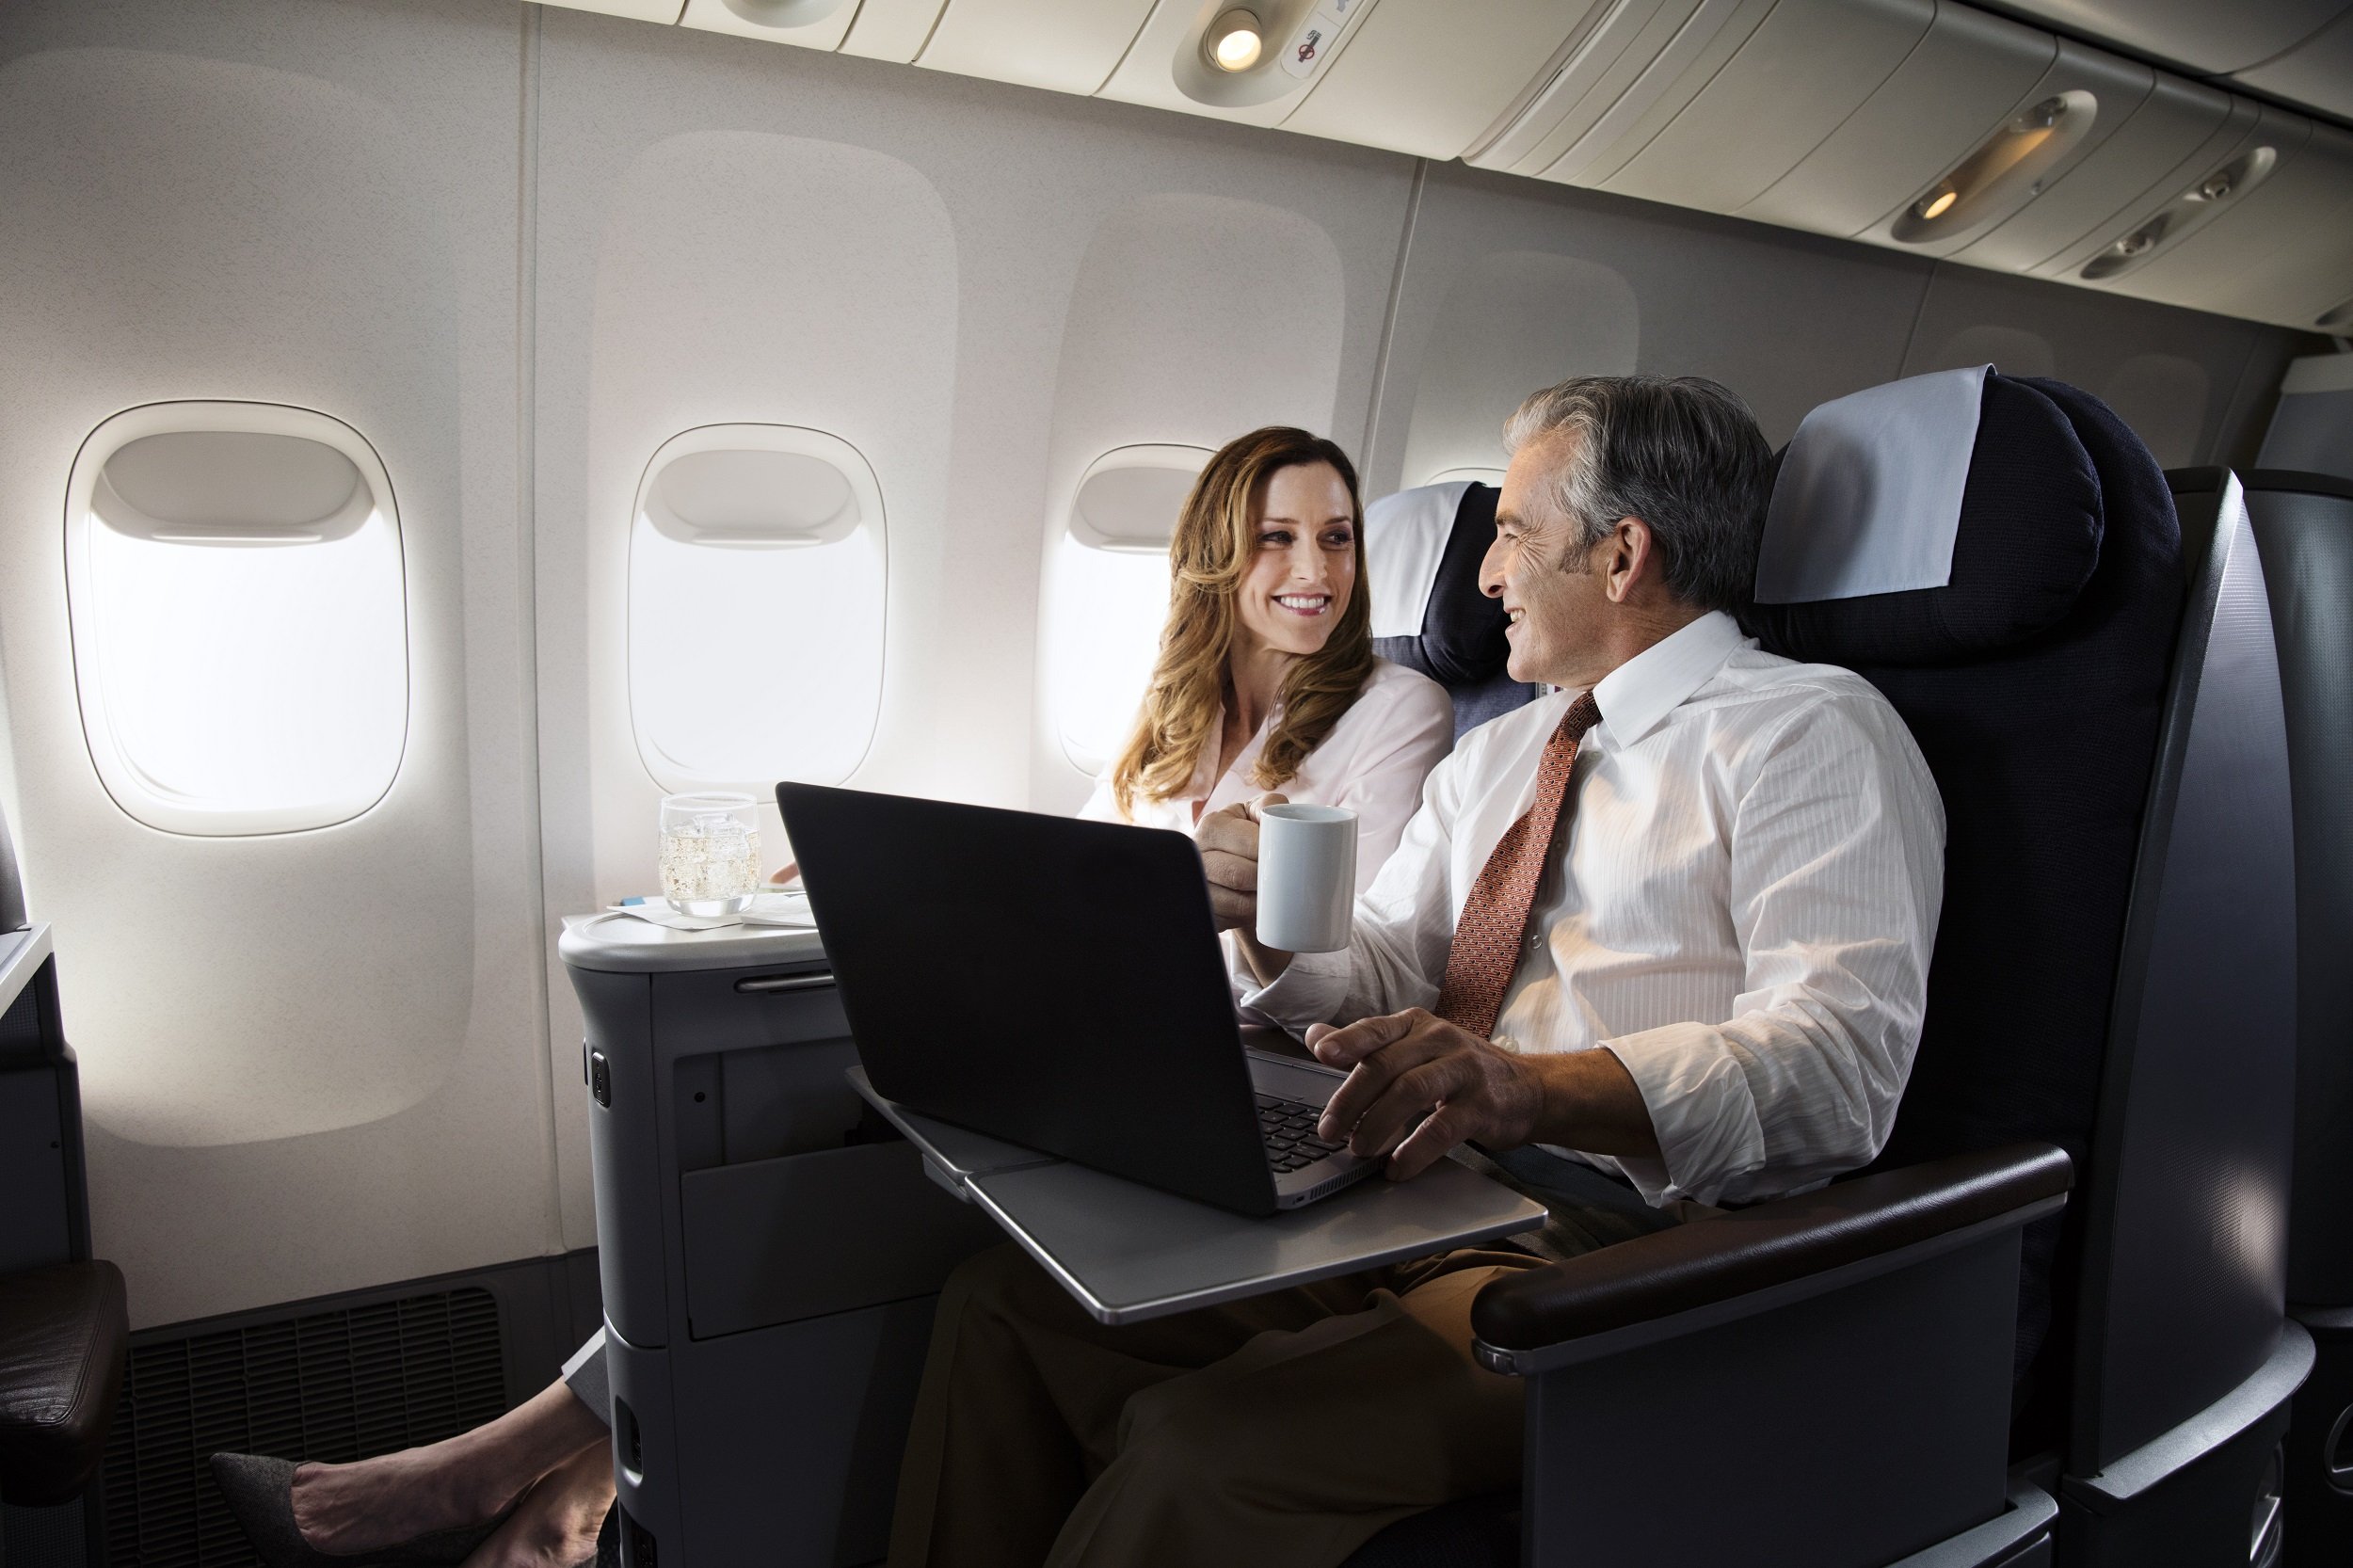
pixel 1306 877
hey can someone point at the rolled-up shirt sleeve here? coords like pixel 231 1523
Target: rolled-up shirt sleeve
pixel 1836 875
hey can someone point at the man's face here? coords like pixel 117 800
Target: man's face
pixel 1556 600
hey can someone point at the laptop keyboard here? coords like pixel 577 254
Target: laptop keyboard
pixel 1289 1130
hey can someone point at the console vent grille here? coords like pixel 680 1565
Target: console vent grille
pixel 332 1385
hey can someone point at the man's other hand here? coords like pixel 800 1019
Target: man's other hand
pixel 1418 1085
pixel 1229 841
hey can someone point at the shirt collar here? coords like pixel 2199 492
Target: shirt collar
pixel 1641 693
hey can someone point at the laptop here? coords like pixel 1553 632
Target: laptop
pixel 1057 984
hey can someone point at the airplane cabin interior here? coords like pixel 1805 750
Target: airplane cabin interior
pixel 459 455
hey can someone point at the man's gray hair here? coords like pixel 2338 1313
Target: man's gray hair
pixel 1684 455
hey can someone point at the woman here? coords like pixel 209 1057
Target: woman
pixel 1266 681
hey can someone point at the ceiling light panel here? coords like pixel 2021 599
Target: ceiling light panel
pixel 2150 145
pixel 1170 66
pixel 1970 73
pixel 2271 243
pixel 809 24
pixel 2021 162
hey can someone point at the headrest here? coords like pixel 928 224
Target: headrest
pixel 2025 541
pixel 1406 533
pixel 1422 549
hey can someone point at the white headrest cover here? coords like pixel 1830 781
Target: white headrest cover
pixel 1869 499
pixel 1405 535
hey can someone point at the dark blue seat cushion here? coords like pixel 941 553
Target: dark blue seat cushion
pixel 2043 749
pixel 2028 542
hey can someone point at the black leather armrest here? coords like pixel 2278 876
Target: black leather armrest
pixel 1715 1261
pixel 64 1336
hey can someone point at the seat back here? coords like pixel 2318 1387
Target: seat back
pixel 1422 552
pixel 2304 525
pixel 2117 851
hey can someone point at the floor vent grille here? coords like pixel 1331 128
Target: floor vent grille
pixel 331 1385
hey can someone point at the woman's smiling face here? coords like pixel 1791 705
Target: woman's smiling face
pixel 1303 561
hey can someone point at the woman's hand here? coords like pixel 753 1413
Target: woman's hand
pixel 786 874
pixel 1229 841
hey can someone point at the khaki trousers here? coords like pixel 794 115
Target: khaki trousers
pixel 1288 1429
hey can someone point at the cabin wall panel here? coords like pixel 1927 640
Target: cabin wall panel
pixel 309 1061
pixel 2171 374
pixel 1027 183
pixel 1784 320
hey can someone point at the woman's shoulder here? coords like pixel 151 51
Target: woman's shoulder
pixel 1393 689
pixel 1396 706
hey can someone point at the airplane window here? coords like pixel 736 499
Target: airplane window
pixel 756 578
pixel 1109 594
pixel 239 616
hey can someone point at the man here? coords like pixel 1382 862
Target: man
pixel 1656 942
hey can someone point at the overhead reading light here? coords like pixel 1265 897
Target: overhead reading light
pixel 2185 215
pixel 1234 42
pixel 2003 173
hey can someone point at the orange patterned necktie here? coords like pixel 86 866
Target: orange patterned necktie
pixel 1487 937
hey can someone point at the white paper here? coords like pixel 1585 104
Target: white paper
pixel 1868 499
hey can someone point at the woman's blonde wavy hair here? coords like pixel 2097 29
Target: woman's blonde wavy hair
pixel 1216 538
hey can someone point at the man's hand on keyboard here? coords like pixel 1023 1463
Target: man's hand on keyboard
pixel 1419 1085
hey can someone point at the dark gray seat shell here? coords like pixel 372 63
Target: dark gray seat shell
pixel 2303 526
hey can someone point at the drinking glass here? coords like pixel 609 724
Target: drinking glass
pixel 710 853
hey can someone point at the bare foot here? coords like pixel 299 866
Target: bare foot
pixel 380 1501
pixel 466 1479
pixel 555 1525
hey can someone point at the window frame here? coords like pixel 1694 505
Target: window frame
pixel 865 487
pixel 118 773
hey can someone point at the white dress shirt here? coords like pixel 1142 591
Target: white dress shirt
pixel 1372 762
pixel 1740 903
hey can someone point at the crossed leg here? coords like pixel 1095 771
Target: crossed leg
pixel 550 1458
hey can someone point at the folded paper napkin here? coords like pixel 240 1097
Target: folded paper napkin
pixel 779 909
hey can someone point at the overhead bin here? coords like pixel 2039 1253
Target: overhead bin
pixel 2265 232
pixel 1066 45
pixel 1969 75
pixel 1805 69
pixel 1640 60
pixel 894 30
pixel 665 11
pixel 2206 37
pixel 2318 72
pixel 2079 105
pixel 1428 77
pixel 1174 63
pixel 810 23
pixel 2162 136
